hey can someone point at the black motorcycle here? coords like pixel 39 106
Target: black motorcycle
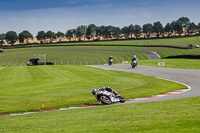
pixel 110 61
pixel 108 97
pixel 134 63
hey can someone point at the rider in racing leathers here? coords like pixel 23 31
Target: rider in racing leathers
pixel 110 90
pixel 94 91
pixel 135 58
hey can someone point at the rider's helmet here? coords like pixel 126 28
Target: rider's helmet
pixel 94 91
pixel 104 88
pixel 135 56
pixel 108 87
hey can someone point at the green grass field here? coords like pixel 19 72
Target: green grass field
pixel 27 88
pixel 85 55
pixel 179 42
pixel 180 116
pixel 173 63
pixel 64 56
pixel 69 83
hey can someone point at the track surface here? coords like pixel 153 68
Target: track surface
pixel 186 76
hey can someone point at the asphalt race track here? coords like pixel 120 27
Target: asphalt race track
pixel 186 76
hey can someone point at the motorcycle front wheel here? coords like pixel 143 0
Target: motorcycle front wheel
pixel 105 99
pixel 122 99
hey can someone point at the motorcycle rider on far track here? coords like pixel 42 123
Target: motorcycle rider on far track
pixel 135 59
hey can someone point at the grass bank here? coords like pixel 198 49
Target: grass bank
pixel 180 115
pixel 62 55
pixel 84 55
pixel 174 42
pixel 27 88
pixel 173 63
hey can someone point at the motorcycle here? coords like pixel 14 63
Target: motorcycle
pixel 110 61
pixel 134 63
pixel 108 97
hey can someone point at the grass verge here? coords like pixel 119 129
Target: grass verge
pixel 173 63
pixel 27 88
pixel 180 116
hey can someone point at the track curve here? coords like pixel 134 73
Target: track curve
pixel 187 76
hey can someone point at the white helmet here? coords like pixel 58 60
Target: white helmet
pixel 94 91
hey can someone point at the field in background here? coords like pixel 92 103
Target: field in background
pixel 177 42
pixel 64 56
pixel 173 63
pixel 85 55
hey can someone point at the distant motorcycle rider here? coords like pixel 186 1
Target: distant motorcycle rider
pixel 135 59
pixel 110 60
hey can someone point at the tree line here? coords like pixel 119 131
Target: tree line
pixel 93 32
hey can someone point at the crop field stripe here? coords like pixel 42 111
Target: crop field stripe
pixel 99 62
pixel 61 62
pixel 22 63
pixel 104 61
pixel 16 62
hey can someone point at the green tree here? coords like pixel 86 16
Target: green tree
pixel 81 31
pixel 147 29
pixel 137 30
pixel 109 30
pixel 60 35
pixel 192 28
pixel 98 31
pixel 184 23
pixel 168 29
pixel 51 36
pixel 69 34
pixel 41 36
pixel 2 37
pixel 117 32
pixel 131 30
pixel 11 37
pixel 158 28
pixel 177 27
pixel 105 31
pixel 198 28
pixel 125 31
pixel 25 35
pixel 91 31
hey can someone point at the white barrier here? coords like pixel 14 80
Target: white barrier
pixel 125 62
pixel 161 64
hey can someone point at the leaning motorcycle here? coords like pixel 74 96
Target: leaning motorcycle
pixel 108 97
pixel 134 63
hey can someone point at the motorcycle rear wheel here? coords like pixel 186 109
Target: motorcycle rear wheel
pixel 105 99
